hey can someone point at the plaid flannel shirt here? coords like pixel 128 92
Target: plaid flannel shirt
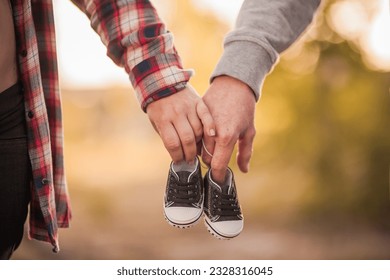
pixel 136 39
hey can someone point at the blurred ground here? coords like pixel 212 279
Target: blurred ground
pixel 131 226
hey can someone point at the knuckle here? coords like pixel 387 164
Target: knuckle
pixel 188 140
pixel 252 132
pixel 179 109
pixel 225 139
pixel 172 144
pixel 165 118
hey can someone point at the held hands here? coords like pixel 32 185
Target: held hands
pixel 223 117
pixel 181 120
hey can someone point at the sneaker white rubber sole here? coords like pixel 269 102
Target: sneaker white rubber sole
pixel 182 217
pixel 224 230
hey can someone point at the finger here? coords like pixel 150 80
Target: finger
pixel 220 160
pixel 187 139
pixel 245 150
pixel 172 142
pixel 206 118
pixel 196 125
pixel 208 144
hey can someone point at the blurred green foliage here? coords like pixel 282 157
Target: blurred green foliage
pixel 325 113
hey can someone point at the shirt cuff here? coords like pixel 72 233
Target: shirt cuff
pixel 246 61
pixel 158 77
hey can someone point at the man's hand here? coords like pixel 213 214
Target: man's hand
pixel 180 120
pixel 232 106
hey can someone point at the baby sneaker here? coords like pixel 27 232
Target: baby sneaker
pixel 183 200
pixel 223 217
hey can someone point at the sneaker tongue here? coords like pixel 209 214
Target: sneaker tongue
pixel 226 189
pixel 226 186
pixel 183 176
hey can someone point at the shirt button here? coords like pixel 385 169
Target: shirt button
pixel 23 53
pixel 30 114
pixel 45 181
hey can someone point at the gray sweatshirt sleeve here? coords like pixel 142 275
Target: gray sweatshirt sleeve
pixel 263 30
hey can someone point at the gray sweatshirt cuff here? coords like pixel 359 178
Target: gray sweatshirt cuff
pixel 246 61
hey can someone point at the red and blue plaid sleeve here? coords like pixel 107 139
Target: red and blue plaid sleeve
pixel 137 40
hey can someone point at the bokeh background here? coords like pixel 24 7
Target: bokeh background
pixel 318 187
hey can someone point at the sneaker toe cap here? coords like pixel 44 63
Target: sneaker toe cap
pixel 182 215
pixel 228 228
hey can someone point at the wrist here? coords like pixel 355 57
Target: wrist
pixel 234 84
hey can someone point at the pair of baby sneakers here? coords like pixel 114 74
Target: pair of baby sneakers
pixel 188 195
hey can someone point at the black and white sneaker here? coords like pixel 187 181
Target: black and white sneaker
pixel 223 216
pixel 183 200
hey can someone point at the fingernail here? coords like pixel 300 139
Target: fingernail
pixel 212 132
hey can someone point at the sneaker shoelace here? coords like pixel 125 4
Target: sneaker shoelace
pixel 183 192
pixel 225 204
